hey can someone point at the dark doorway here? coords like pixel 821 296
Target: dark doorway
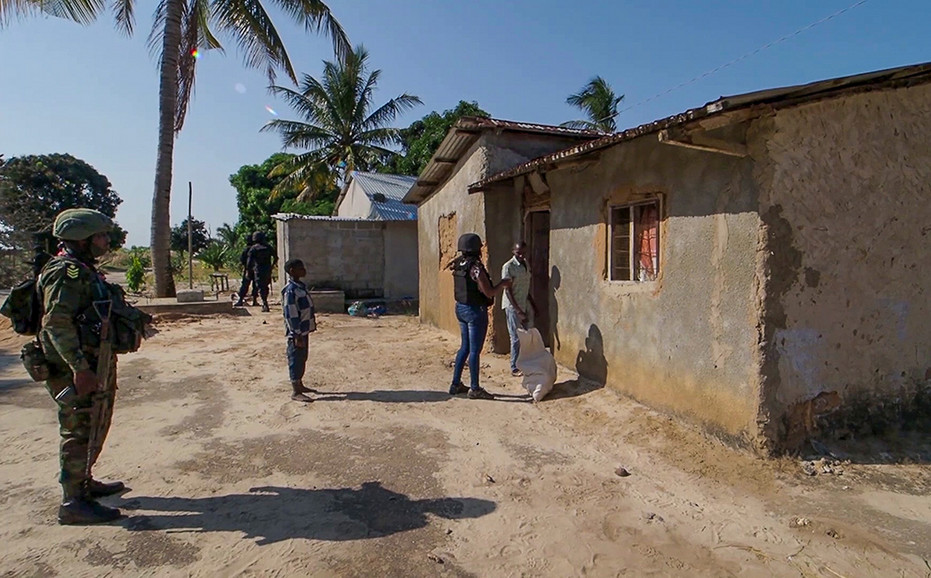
pixel 538 238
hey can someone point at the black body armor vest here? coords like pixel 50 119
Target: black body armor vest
pixel 466 289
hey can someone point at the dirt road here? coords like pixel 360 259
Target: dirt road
pixel 385 475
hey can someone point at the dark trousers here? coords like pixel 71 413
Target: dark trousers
pixel 244 287
pixel 260 284
pixel 74 427
pixel 297 358
pixel 473 325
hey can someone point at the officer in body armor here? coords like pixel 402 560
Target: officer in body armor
pixel 259 261
pixel 68 286
pixel 474 293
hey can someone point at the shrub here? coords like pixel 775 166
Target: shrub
pixel 135 274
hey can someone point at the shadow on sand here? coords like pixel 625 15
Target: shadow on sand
pixel 272 514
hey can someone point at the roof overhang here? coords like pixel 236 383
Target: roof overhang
pixel 719 113
pixel 460 139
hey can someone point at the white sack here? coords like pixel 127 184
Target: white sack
pixel 536 363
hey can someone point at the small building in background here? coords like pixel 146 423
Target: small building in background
pixel 367 250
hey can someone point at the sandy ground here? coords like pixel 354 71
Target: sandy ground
pixel 385 475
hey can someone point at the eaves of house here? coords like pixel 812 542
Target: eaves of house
pixel 460 139
pixel 688 128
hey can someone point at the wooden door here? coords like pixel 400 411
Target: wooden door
pixel 538 241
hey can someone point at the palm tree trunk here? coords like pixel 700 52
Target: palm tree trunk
pixel 167 108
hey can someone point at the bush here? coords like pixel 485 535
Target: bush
pixel 135 274
pixel 214 255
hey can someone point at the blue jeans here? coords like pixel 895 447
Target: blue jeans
pixel 513 324
pixel 297 358
pixel 473 325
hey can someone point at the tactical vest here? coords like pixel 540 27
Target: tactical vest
pixel 465 288
pixel 127 323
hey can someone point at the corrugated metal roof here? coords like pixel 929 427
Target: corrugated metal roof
pixel 462 136
pixel 764 100
pixel 386 193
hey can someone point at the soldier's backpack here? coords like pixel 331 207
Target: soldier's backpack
pixel 24 308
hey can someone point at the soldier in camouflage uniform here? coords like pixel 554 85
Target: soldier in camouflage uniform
pixel 68 286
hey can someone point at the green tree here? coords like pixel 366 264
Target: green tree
pixel 214 254
pixel 256 203
pixel 35 188
pixel 599 103
pixel 182 29
pixel 337 124
pixel 200 238
pixel 421 139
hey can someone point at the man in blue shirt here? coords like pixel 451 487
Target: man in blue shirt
pixel 299 322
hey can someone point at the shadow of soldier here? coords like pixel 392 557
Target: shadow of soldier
pixel 272 514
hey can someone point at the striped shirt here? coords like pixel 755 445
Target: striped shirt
pixel 298 309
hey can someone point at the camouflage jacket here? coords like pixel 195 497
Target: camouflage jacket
pixel 68 288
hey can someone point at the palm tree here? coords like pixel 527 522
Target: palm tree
pixel 337 124
pixel 598 101
pixel 182 28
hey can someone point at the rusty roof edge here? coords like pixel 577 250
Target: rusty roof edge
pixel 476 125
pixel 763 99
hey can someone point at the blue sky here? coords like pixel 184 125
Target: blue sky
pixel 93 93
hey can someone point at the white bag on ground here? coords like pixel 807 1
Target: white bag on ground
pixel 536 363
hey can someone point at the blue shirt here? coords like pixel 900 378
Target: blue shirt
pixel 298 309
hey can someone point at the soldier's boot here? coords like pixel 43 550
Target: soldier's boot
pixel 255 302
pixel 77 510
pixel 240 303
pixel 97 489
pixel 265 308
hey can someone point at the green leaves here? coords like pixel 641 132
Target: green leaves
pixel 598 101
pixel 35 188
pixel 421 139
pixel 337 124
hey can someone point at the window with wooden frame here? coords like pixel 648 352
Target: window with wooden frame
pixel 634 252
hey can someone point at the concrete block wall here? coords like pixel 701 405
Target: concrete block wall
pixel 338 253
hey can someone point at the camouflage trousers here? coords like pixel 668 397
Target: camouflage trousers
pixel 75 423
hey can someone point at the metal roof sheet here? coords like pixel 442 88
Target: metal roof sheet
pixel 386 193
pixel 460 139
pixel 763 99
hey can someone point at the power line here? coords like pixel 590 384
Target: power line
pixel 745 56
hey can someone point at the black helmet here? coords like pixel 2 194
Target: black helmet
pixel 258 237
pixel 470 243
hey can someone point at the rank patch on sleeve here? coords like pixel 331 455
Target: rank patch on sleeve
pixel 72 272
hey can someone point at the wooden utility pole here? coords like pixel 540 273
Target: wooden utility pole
pixel 190 237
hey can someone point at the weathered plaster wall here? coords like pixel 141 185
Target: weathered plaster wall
pixel 340 254
pixel 490 154
pixel 401 269
pixel 687 342
pixel 503 212
pixel 846 199
pixel 466 214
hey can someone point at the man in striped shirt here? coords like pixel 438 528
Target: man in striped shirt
pixel 299 322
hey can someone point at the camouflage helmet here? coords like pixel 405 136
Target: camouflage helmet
pixel 79 224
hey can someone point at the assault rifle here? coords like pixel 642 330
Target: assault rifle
pixel 101 396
